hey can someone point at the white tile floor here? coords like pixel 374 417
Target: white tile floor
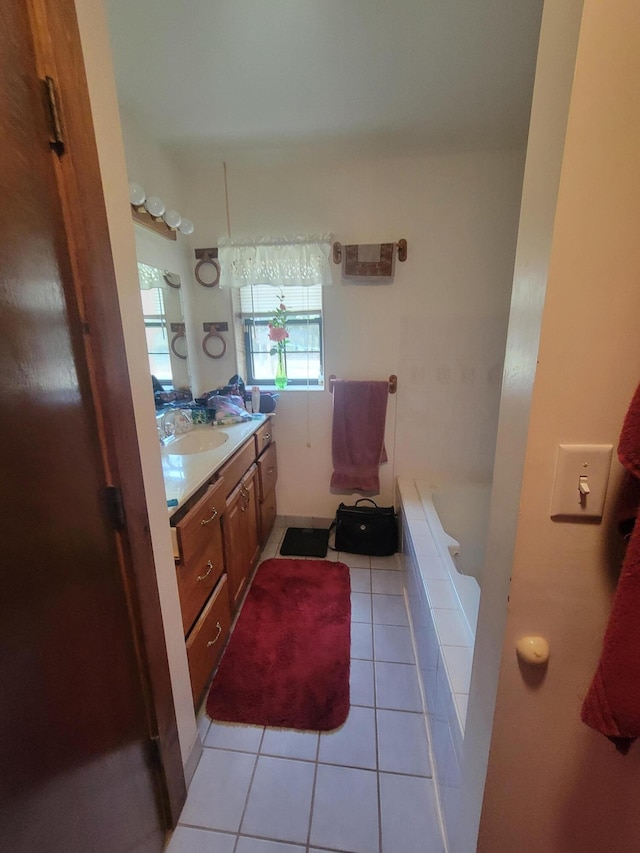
pixel 365 788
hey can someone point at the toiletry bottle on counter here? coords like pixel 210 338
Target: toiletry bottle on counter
pixel 255 399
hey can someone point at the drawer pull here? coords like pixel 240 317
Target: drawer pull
pixel 215 639
pixel 270 470
pixel 213 515
pixel 266 436
pixel 202 577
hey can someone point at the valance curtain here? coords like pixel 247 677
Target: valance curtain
pixel 280 262
pixel 151 277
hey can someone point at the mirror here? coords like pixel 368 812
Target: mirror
pixel 165 331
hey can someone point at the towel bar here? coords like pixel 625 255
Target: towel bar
pixel 401 248
pixel 393 383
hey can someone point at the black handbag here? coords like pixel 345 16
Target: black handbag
pixel 371 530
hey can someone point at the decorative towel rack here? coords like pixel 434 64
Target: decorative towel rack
pixel 400 247
pixel 213 334
pixel 393 383
pixel 179 334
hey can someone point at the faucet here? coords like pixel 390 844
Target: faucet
pixel 166 427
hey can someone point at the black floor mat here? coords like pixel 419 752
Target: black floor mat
pixel 305 542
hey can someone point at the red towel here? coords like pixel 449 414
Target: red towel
pixel 357 442
pixel 612 705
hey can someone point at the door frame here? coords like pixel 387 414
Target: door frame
pixel 59 56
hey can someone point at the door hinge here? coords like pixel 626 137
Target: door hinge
pixel 115 507
pixel 56 140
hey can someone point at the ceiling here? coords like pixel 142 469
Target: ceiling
pixel 255 73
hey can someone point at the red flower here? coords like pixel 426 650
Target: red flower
pixel 277 333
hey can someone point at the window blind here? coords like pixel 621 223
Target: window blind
pixel 263 299
pixel 152 302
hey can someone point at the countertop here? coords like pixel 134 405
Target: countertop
pixel 184 474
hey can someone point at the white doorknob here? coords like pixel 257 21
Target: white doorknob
pixel 533 650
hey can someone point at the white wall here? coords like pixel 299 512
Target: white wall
pixel 97 58
pixel 150 166
pixel 554 785
pixel 440 326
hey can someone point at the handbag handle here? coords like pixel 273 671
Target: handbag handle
pixel 366 499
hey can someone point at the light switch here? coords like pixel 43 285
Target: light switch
pixel 580 484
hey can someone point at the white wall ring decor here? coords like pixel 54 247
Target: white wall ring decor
pixel 205 345
pixel 174 340
pixel 208 277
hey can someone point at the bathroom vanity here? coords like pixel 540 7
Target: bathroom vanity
pixel 224 480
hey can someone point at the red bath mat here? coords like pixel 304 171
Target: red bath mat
pixel 287 662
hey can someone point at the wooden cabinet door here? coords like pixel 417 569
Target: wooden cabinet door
pixel 79 767
pixel 241 539
pixel 251 517
pixel 268 471
pixel 234 547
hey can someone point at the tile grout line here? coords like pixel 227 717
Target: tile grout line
pixel 427 727
pixel 313 793
pixel 246 801
pixel 332 763
pixel 375 724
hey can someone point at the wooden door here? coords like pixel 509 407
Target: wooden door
pixel 79 771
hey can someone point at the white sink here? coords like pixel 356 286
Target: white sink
pixel 197 441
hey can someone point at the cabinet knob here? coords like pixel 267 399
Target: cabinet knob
pixel 214 513
pixel 202 577
pixel 266 436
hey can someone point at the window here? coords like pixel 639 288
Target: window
pixel 303 351
pixel 155 327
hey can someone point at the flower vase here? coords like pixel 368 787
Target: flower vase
pixel 281 370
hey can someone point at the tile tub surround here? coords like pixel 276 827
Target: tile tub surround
pixel 444 646
pixel 366 787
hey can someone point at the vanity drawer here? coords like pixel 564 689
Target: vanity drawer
pixel 198 576
pixel 196 530
pixel 237 466
pixel 263 436
pixel 206 642
pixel 201 561
pixel 268 471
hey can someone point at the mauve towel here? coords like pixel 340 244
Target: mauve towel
pixel 612 705
pixel 357 443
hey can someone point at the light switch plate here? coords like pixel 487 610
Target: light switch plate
pixel 592 463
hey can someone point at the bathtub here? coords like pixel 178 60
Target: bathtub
pixel 463 512
pixel 458 519
pixel 441 584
